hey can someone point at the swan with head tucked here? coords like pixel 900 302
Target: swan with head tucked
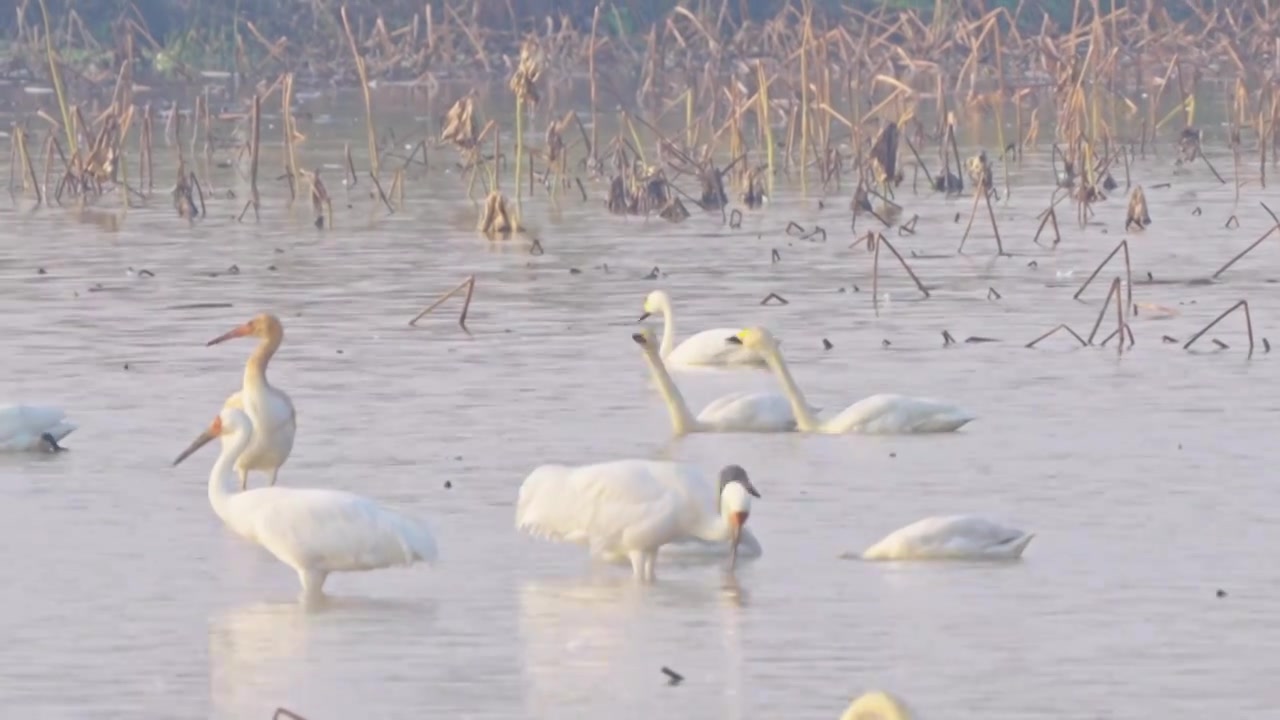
pixel 633 508
pixel 735 412
pixel 314 531
pixel 951 537
pixel 877 414
pixel 706 348
pixel 275 420
pixel 32 428
pixel 876 705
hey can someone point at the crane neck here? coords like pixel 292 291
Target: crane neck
pixel 255 370
pixel 805 420
pixel 682 421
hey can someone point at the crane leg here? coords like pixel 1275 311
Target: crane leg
pixel 637 564
pixel 650 559
pixel 312 583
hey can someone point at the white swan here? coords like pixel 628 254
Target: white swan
pixel 632 508
pixel 877 414
pixel 735 412
pixel 314 531
pixel 876 705
pixel 952 537
pixel 26 428
pixel 707 348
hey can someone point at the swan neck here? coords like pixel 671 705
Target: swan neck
pixel 805 420
pixel 668 328
pixel 681 420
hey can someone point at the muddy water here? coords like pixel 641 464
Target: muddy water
pixel 1148 478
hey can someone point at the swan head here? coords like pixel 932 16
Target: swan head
pixel 655 302
pixel 229 423
pixel 876 705
pixel 754 338
pixel 736 492
pixel 263 325
pixel 646 340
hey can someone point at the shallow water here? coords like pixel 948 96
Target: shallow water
pixel 1147 478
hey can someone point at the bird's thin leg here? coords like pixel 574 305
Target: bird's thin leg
pixel 244 478
pixel 312 583
pixel 274 473
pixel 637 564
pixel 650 559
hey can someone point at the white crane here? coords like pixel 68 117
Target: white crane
pixel 877 414
pixel 706 348
pixel 735 412
pixel 632 508
pixel 274 418
pixel 314 531
pixel 951 537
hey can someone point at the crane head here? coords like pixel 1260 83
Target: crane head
pixel 263 325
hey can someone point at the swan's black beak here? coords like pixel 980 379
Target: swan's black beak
pixel 644 317
pixel 734 340
pixel 52 442
pixel 639 338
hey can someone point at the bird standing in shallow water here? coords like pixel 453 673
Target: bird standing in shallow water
pixel 632 508
pixel 314 531
pixel 274 419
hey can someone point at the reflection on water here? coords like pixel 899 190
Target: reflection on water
pixel 283 651
pixel 599 645
pixel 1149 480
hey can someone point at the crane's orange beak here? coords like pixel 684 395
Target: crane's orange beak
pixel 242 331
pixel 210 433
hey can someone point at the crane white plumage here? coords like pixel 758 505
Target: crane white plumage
pixel 876 705
pixel 270 408
pixel 26 428
pixel 951 537
pixel 706 348
pixel 878 414
pixel 632 508
pixel 735 412
pixel 314 531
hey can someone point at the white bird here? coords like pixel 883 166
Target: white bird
pixel 876 705
pixel 877 414
pixel 952 537
pixel 274 418
pixel 25 428
pixel 314 531
pixel 735 412
pixel 632 508
pixel 707 348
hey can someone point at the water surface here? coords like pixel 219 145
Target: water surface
pixel 1148 478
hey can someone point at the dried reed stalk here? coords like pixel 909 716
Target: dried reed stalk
pixel 470 286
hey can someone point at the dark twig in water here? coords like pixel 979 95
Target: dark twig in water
pixel 470 286
pixel 283 714
pixel 874 240
pixel 1255 243
pixel 1062 326
pixel 775 296
pixel 673 677
pixel 1248 322
pixel 1128 272
pixel 1113 292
